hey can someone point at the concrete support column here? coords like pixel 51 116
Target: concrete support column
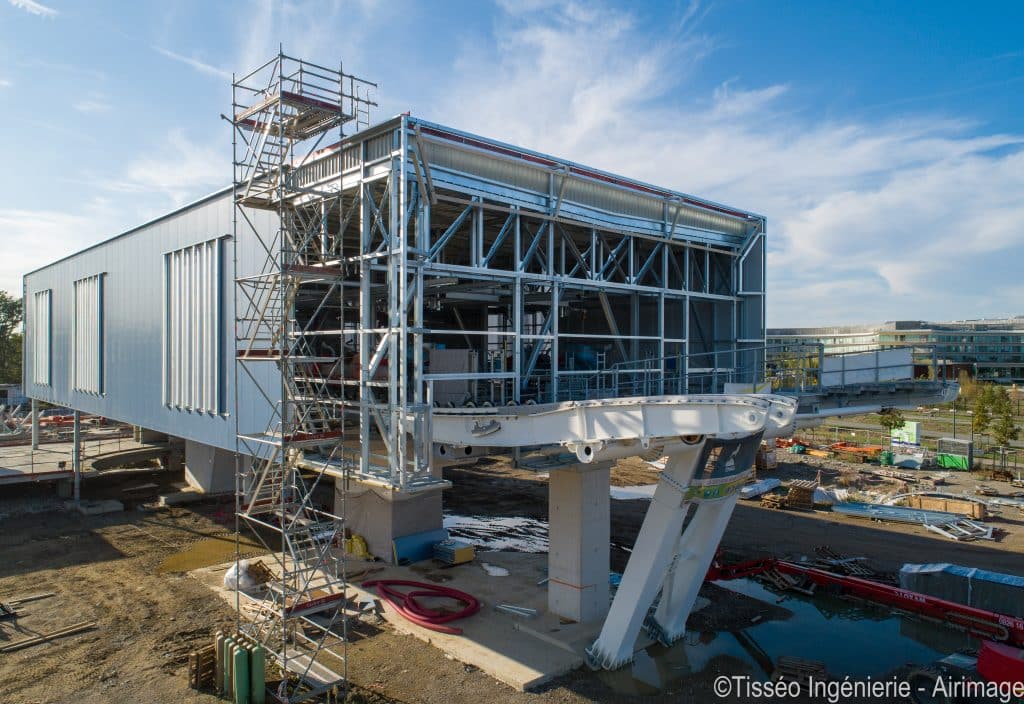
pixel 579 537
pixel 76 455
pixel 35 424
pixel 209 469
pixel 146 435
pixel 380 515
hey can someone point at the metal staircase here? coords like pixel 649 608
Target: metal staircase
pixel 289 330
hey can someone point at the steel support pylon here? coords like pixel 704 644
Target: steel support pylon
pixel 666 560
pixel 289 341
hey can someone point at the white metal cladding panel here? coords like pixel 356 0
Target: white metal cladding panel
pixel 87 335
pixel 41 328
pixel 192 320
pixel 578 190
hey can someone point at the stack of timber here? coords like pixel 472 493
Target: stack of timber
pixel 788 582
pixel 46 637
pixel 801 494
pixel 791 669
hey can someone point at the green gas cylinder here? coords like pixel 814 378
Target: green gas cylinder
pixel 240 675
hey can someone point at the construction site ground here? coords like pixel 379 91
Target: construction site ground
pixel 128 571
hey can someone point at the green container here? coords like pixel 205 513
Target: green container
pixel 240 675
pixel 885 457
pixel 259 675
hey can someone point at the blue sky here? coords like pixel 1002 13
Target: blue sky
pixel 883 141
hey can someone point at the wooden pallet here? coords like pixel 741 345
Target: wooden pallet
pixel 792 669
pixel 202 665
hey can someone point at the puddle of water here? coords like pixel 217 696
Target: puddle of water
pixel 628 493
pixel 854 639
pixel 207 552
pixel 512 533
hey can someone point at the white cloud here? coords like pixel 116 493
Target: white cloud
pixel 177 171
pixel 5 83
pixel 95 103
pixel 195 63
pixel 868 220
pixel 63 233
pixel 34 8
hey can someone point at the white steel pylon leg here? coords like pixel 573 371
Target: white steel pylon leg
pixel 717 496
pixel 697 547
pixel 652 553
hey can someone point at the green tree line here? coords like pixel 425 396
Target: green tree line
pixel 991 407
pixel 10 339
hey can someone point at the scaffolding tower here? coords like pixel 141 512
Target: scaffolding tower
pixel 289 343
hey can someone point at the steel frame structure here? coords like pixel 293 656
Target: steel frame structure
pixel 548 273
pixel 288 315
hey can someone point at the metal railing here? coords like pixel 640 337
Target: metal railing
pixel 786 369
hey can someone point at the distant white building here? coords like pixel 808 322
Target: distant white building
pixel 991 349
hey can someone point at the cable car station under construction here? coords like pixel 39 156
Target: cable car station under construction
pixel 368 303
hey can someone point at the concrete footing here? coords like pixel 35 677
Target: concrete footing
pixel 380 516
pixel 141 434
pixel 579 536
pixel 209 469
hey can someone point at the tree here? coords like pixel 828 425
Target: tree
pixel 1003 427
pixel 968 389
pixel 10 339
pixel 891 419
pixel 983 401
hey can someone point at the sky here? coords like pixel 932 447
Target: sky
pixel 883 141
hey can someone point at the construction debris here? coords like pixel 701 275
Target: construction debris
pixel 523 611
pixel 47 637
pixel 755 489
pixel 799 496
pixel 792 669
pixel 950 525
pixel 202 669
pixel 830 560
pixel 454 552
pixel 9 608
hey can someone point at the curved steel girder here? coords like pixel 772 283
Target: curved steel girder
pixel 617 427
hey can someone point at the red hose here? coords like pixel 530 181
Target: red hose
pixel 406 603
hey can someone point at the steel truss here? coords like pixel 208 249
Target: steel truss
pixel 546 297
pixel 289 322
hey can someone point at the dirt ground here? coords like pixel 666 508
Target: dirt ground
pixel 125 571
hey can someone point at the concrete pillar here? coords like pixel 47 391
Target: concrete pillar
pixel 146 435
pixel 579 537
pixel 209 469
pixel 76 455
pixel 380 515
pixel 35 424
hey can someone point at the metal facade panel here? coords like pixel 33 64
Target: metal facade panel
pixel 87 335
pixel 40 332
pixel 193 346
pixel 133 320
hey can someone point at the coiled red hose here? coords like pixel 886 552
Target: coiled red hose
pixel 406 603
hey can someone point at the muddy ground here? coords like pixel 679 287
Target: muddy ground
pixel 126 572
